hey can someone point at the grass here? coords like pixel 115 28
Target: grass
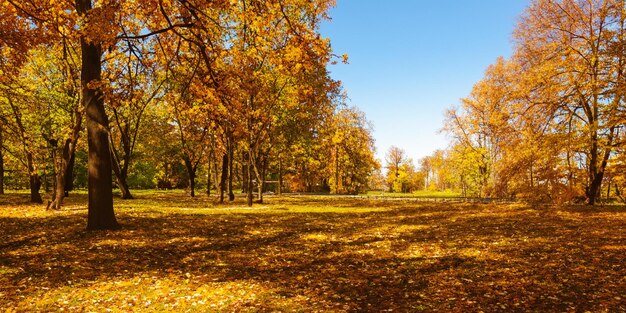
pixel 415 194
pixel 312 253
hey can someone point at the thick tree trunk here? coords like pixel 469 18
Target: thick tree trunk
pixel 100 213
pixel 596 171
pixel 593 191
pixel 34 181
pixel 35 185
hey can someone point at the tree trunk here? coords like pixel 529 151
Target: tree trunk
pixel 69 172
pixel 249 179
pixel 100 213
pixel 618 193
pixel 124 189
pixel 244 169
pixel 208 175
pixel 260 178
pixel 262 183
pixel 336 169
pixel 223 176
pixel 121 175
pixel 596 171
pixel 216 181
pixel 231 152
pixel 59 188
pixel 191 171
pixel 34 181
pixel 65 164
pixel 1 159
pixel 280 177
pixel 35 185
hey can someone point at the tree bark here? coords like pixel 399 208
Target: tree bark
pixel 280 176
pixel 208 175
pixel 121 174
pixel 231 152
pixel 596 171
pixel 35 185
pixel 69 173
pixel 1 159
pixel 262 182
pixel 223 176
pixel 191 171
pixel 59 186
pixel 100 213
pixel 244 174
pixel 249 179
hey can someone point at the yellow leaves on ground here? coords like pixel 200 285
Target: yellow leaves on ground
pixel 313 253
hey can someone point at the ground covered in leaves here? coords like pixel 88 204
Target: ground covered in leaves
pixel 308 254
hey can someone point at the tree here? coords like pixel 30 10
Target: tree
pixel 352 155
pixel 135 85
pixel 576 50
pixel 394 159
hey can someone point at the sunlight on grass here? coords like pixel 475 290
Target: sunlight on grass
pixel 119 243
pixel 318 253
pixel 156 293
pixel 615 247
pixel 416 194
pixel 317 237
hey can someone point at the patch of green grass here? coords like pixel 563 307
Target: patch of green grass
pixel 416 194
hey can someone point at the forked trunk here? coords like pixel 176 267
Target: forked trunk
pixel 121 175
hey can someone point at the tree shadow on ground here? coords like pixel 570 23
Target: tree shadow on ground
pixel 427 257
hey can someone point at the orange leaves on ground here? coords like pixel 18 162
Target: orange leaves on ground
pixel 314 253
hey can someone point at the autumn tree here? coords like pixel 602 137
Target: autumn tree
pixel 545 123
pixel 576 47
pixel 394 159
pixel 21 120
pixel 352 155
pixel 135 85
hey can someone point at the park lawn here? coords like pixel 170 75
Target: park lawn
pixel 415 194
pixel 312 253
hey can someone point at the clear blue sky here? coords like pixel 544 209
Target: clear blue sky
pixel 412 59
